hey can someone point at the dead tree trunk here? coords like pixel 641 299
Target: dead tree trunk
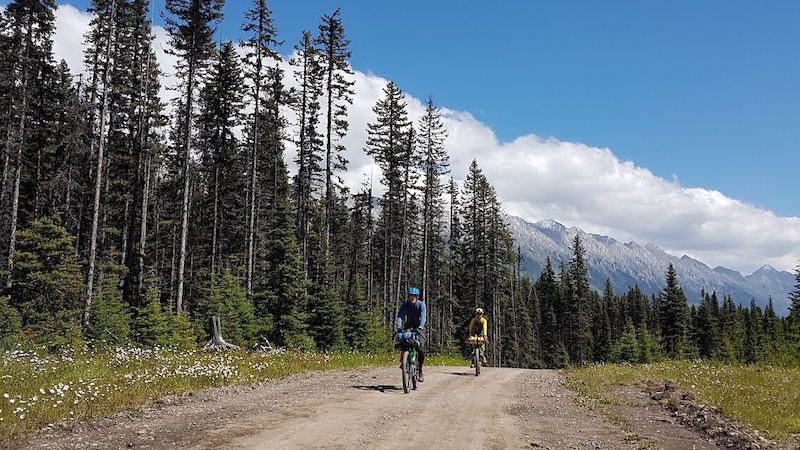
pixel 217 342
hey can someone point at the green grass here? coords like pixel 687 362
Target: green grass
pixel 37 389
pixel 435 359
pixel 763 398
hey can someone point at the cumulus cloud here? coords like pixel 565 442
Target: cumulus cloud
pixel 543 178
pixel 592 189
pixel 71 25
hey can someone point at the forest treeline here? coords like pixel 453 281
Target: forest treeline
pixel 126 221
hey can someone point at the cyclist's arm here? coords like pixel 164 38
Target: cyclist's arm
pixel 485 326
pixel 423 315
pixel 400 315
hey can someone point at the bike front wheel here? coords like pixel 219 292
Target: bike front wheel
pixel 412 370
pixel 404 366
pixel 477 358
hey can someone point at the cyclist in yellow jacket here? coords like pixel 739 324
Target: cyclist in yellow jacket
pixel 478 326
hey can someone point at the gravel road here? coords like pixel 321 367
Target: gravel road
pixel 364 409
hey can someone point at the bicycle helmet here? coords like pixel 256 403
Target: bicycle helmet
pixel 413 291
pixel 478 310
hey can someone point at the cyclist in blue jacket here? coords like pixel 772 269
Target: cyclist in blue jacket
pixel 412 315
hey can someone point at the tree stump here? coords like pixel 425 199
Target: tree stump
pixel 217 342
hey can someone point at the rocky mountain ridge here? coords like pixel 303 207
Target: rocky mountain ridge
pixel 629 264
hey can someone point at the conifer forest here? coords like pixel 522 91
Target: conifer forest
pixel 125 220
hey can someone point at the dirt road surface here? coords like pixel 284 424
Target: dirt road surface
pixel 367 409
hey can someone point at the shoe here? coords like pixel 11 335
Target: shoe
pixel 484 360
pixel 472 366
pixel 420 378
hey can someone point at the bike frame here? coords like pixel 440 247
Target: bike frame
pixel 408 342
pixel 476 342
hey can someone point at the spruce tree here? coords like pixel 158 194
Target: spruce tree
pixel 228 300
pixel 530 321
pixel 264 93
pixel 191 30
pixel 753 319
pixel 109 321
pixel 601 325
pixel 11 326
pixel 452 263
pixel 62 183
pixel 338 93
pixel 627 348
pixel 794 308
pixel 580 313
pixel 28 42
pixel 359 275
pixel 100 64
pixel 435 161
pixel 673 315
pixel 705 329
pixel 221 169
pixel 280 287
pixel 486 258
pixel 547 289
pixel 145 121
pixel 280 290
pixel 307 107
pixel 773 341
pixel 149 325
pixel 48 285
pixel 387 143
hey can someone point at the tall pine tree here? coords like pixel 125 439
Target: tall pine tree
pixel 191 29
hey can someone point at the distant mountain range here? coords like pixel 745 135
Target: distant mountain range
pixel 631 264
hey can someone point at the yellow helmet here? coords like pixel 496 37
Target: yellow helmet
pixel 479 311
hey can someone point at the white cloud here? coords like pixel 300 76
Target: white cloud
pixel 592 189
pixel 572 183
pixel 71 25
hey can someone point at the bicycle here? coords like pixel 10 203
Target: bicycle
pixel 408 342
pixel 476 342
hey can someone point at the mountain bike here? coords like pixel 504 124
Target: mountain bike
pixel 476 342
pixel 408 343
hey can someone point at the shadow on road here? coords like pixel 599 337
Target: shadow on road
pixel 378 387
pixel 470 373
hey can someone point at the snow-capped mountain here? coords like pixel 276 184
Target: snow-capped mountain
pixel 631 264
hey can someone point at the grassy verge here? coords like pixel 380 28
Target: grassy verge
pixel 760 397
pixel 435 359
pixel 38 389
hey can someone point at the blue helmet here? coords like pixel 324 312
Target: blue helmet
pixel 413 291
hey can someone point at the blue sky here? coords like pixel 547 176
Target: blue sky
pixel 676 123
pixel 705 91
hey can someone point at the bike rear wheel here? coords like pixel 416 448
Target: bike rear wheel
pixel 404 366
pixel 477 358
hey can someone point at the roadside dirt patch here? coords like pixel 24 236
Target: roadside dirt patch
pixel 673 419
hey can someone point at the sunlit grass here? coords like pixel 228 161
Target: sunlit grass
pixel 763 398
pixel 37 389
pixel 449 359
